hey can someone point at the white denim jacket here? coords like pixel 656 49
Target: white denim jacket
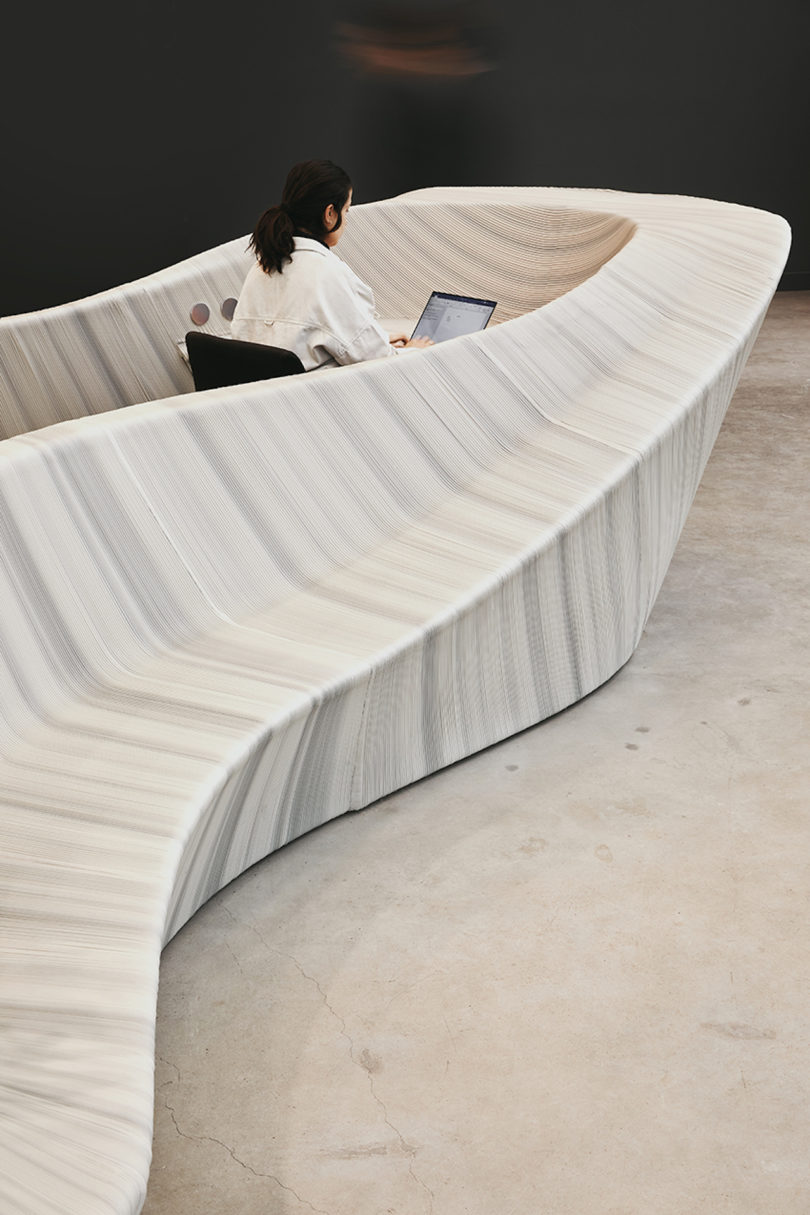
pixel 317 307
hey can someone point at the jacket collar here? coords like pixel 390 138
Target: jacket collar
pixel 301 243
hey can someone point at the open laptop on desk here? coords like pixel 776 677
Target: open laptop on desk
pixel 447 316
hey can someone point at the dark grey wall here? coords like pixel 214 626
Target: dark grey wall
pixel 134 137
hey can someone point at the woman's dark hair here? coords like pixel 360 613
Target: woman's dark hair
pixel 309 189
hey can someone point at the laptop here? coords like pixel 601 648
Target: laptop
pixel 448 316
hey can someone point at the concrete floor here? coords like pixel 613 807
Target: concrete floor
pixel 568 975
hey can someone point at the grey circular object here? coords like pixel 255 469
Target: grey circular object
pixel 228 308
pixel 200 314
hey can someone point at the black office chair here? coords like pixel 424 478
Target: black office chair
pixel 217 361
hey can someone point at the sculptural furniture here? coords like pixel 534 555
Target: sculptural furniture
pixel 229 616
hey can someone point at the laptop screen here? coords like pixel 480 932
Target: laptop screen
pixel 448 316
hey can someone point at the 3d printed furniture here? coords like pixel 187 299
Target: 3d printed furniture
pixel 230 616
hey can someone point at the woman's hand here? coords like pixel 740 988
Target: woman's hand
pixel 401 341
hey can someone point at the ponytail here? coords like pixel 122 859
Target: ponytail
pixel 272 239
pixel 309 189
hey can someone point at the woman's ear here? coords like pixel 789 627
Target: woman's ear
pixel 330 217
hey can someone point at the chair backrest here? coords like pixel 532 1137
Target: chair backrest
pixel 218 361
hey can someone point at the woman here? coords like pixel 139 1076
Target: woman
pixel 300 295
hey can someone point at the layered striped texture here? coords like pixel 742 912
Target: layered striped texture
pixel 230 616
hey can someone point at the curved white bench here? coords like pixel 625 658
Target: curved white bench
pixel 230 616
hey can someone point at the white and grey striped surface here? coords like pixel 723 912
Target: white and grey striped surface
pixel 228 617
